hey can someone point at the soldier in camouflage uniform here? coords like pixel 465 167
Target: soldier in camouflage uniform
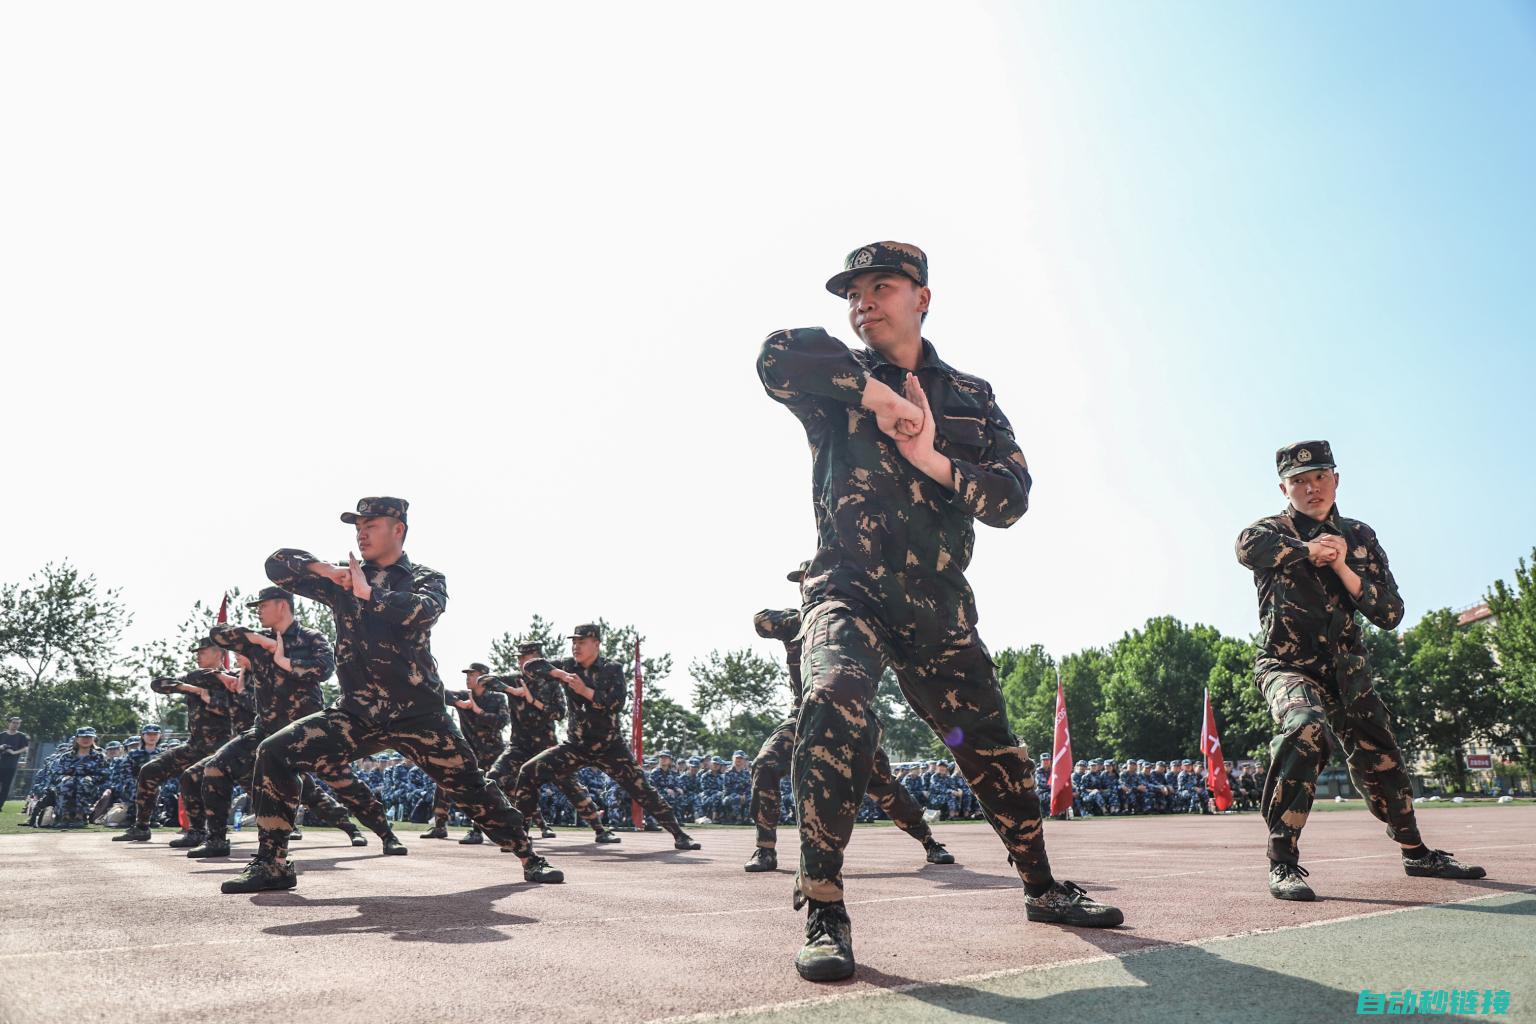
pixel 391 697
pixel 284 665
pixel 709 787
pixel 736 790
pixel 483 719
pixel 772 763
pixel 208 727
pixel 536 704
pixel 664 778
pixel 1316 573
pixel 907 453
pixel 77 778
pixel 688 782
pixel 597 689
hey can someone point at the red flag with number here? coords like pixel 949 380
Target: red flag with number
pixel 1061 757
pixel 1215 759
pixel 637 816
pixel 223 618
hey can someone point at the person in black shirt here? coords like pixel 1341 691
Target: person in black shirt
pixel 12 742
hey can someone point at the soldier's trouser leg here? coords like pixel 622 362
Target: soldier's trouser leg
pixel 75 797
pixel 324 806
pixel 192 792
pixel 619 765
pixel 153 774
pixel 1375 762
pixel 954 689
pixel 230 765
pixel 440 808
pixel 768 768
pixel 893 799
pixel 1298 753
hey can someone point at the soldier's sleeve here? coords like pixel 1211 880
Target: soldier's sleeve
pixel 494 684
pixel 418 607
pixel 996 489
pixel 313 659
pixel 1379 599
pixel 233 638
pixel 553 696
pixel 782 624
pixel 164 684
pixel 502 709
pixel 608 688
pixel 1265 546
pixel 808 362
pixel 289 569
pixel 203 679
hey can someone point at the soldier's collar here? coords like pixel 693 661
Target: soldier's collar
pixel 1308 528
pixel 929 359
pixel 404 562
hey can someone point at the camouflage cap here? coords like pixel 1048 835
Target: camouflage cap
pixel 796 575
pixel 1302 457
pixel 717 759
pixel 369 508
pixel 270 594
pixel 739 753
pixel 586 629
pixel 114 745
pixel 149 727
pixel 895 257
pixel 205 642
pixel 693 761
pixel 478 666
pixel 86 730
pixel 663 753
pixel 531 647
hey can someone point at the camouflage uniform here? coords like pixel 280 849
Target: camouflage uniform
pixel 276 699
pixel 1312 670
pixel 777 752
pixel 486 733
pixel 736 792
pixel 887 587
pixel 77 779
pixel 594 738
pixel 709 789
pixel 208 726
pixel 391 697
pixel 533 731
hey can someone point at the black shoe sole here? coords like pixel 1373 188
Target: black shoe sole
pixel 282 886
pixel 550 878
pixel 826 969
pixel 1295 897
pixel 197 854
pixel 398 851
pixel 1108 920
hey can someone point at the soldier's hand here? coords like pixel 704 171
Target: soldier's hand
pixel 914 446
pixel 261 640
pixel 894 415
pixel 204 694
pixel 337 574
pixel 1324 549
pixel 361 588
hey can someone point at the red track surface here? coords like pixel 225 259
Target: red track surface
pixel 640 931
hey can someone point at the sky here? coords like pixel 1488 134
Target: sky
pixel 515 264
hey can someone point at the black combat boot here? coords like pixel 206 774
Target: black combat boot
pixel 261 874
pixel 828 951
pixel 762 859
pixel 135 834
pixel 192 837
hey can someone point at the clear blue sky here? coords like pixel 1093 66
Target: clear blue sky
pixel 514 264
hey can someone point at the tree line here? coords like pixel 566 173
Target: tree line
pixel 62 665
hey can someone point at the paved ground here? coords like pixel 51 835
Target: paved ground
pixel 89 928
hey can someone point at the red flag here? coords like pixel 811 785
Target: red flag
pixel 1061 758
pixel 1215 760
pixel 223 618
pixel 635 814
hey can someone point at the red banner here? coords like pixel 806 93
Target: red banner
pixel 223 618
pixel 636 815
pixel 1215 760
pixel 1479 760
pixel 1061 756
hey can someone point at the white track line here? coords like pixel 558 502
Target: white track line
pixel 1008 972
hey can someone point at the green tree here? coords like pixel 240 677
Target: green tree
pixel 1449 692
pixel 59 634
pixel 503 657
pixel 1514 639
pixel 1242 717
pixel 667 725
pixel 739 695
pixel 1154 695
pixel 1028 681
